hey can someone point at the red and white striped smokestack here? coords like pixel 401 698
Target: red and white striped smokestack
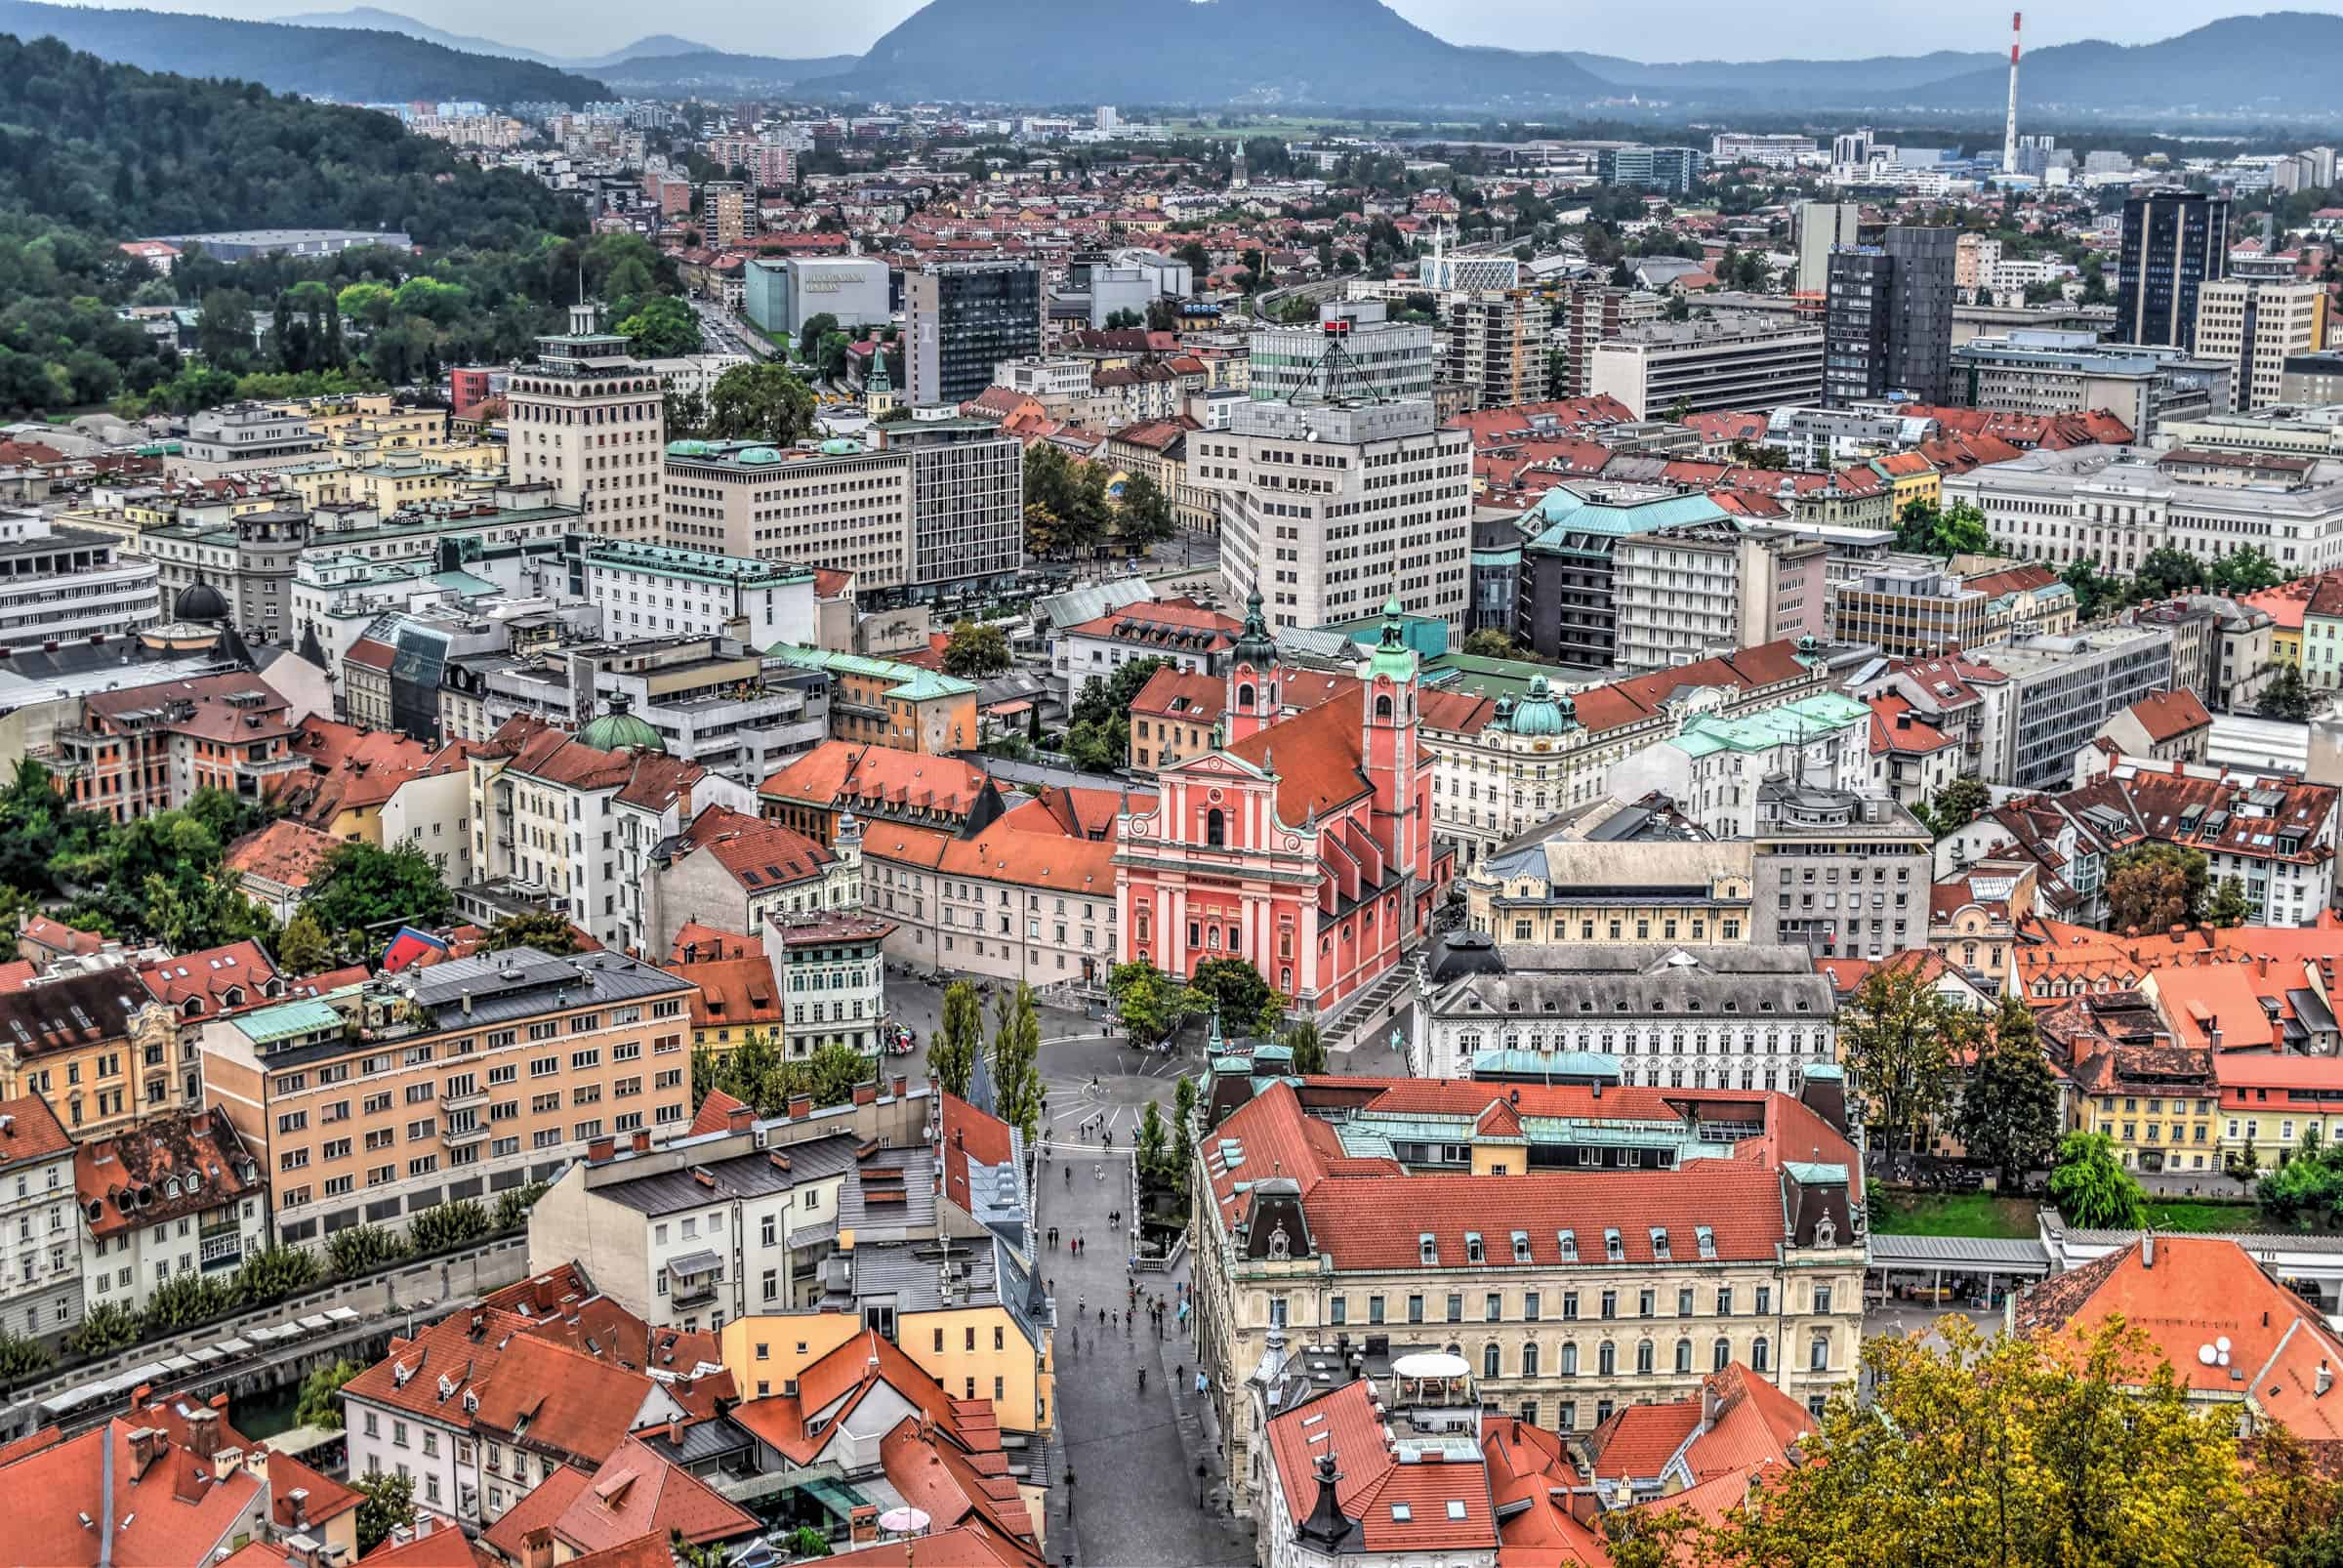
pixel 2009 130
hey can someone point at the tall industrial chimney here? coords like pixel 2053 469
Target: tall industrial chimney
pixel 2010 131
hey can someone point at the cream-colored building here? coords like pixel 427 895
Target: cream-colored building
pixel 1580 1252
pixel 840 505
pixel 2255 325
pixel 592 422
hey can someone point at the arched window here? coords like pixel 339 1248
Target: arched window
pixel 1606 1360
pixel 1683 1355
pixel 1720 1354
pixel 1215 827
pixel 1759 1354
pixel 1570 1358
pixel 1818 1354
pixel 1245 698
pixel 1643 1356
pixel 1529 1359
pixel 1492 1360
pixel 1383 707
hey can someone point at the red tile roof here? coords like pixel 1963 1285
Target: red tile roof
pixel 286 852
pixel 840 773
pixel 32 1132
pixel 1400 1505
pixel 214 982
pixel 971 1133
pixel 756 854
pixel 2169 714
pixel 169 1511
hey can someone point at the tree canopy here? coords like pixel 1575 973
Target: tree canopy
pixel 1898 1038
pixel 760 402
pixel 2155 886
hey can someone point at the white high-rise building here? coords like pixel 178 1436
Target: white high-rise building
pixel 2254 323
pixel 591 421
pixel 1330 510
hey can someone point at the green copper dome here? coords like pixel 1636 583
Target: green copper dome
pixel 1392 656
pixel 1253 644
pixel 1539 714
pixel 619 730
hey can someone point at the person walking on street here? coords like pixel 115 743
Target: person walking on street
pixel 1142 1380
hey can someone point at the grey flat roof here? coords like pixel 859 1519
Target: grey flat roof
pixel 1958 1252
pixel 744 1176
pixel 513 983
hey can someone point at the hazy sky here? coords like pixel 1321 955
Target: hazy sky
pixel 1652 30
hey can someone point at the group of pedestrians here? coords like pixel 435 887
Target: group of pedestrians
pixel 1052 1237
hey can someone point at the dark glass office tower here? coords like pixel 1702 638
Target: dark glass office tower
pixel 964 318
pixel 2173 240
pixel 1888 317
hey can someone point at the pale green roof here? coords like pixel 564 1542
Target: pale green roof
pixel 910 682
pixel 1563 510
pixel 286 1020
pixel 1807 718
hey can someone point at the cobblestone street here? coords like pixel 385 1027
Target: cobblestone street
pixel 1132 1454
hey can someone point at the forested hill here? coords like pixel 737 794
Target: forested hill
pixel 126 152
pixel 371 68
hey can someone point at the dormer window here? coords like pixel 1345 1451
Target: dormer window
pixel 234 996
pixel 1521 1245
pixel 192 1006
pixel 1707 1237
pixel 1473 1252
pixel 1613 1247
pixel 171 1187
pixel 1569 1245
pixel 1660 1248
pixel 1428 1247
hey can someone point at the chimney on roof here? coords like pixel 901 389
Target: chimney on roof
pixel 2148 1249
pixel 674 1430
pixel 739 1118
pixel 2325 1379
pixel 203 1432
pixel 601 1150
pixel 902 1084
pixel 640 1140
pixel 537 1548
pixel 800 1106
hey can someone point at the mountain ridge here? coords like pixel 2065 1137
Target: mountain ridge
pixel 325 62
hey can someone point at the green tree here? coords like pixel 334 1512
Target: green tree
pixel 816 327
pixel 976 651
pixel 542 929
pixel 1144 515
pixel 951 1052
pixel 686 414
pixel 2164 571
pixel 1898 1038
pixel 274 1273
pixel 833 1072
pixel 2285 696
pixel 186 1301
pixel 223 329
pixel 1957 804
pixel 760 402
pixel 512 1205
pixel 1234 989
pixel 1149 1004
pixel 1098 734
pixel 1124 320
pixel 445 1227
pixel 320 1403
pixel 106 1327
pixel 662 327
pixel 1154 1148
pixel 1309 1051
pixel 807 1541
pixel 360 1249
pixel 21 1359
pixel 364 887
pixel 1017 1087
pixel 2008 1115
pixel 2155 886
pixel 387 1503
pixel 2012 1450
pixel 303 948
pixel 2229 907
pixel 1490 643
pixel 2243 572
pixel 2090 1185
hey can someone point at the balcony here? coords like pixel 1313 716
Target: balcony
pixel 470 1099
pixel 458 1138
pixel 694 1278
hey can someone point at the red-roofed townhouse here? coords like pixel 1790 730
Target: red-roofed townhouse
pixel 1175 715
pixel 1337 1494
pixel 146 748
pixel 176 1194
pixel 637 1493
pixel 733 869
pixel 1190 638
pixel 164 1484
pixel 2166 727
pixel 274 865
pixel 42 1297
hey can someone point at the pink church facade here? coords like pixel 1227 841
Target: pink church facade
pixel 1304 844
